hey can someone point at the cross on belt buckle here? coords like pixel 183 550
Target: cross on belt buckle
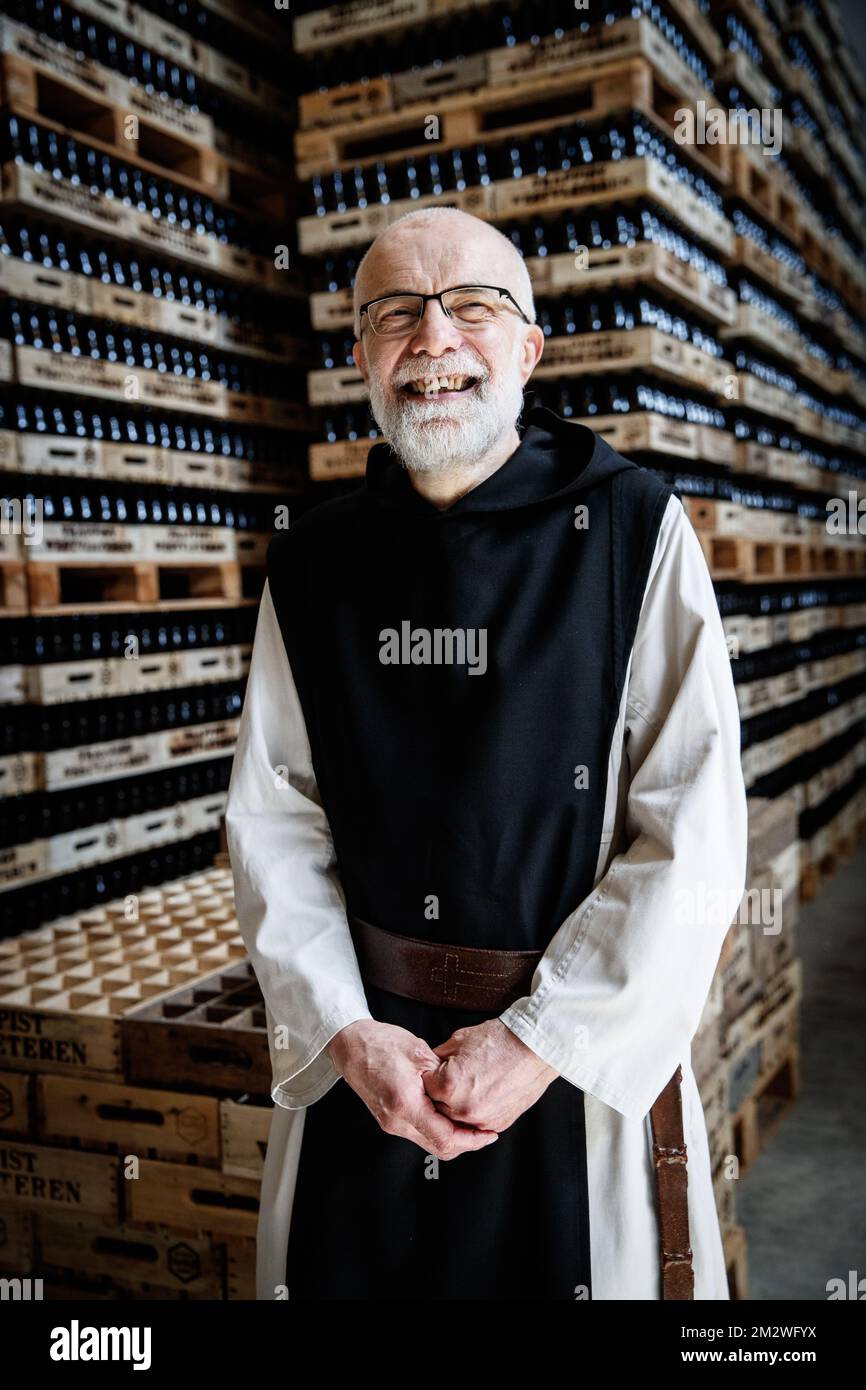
pixel 448 975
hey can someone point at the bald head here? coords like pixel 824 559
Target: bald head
pixel 447 391
pixel 431 249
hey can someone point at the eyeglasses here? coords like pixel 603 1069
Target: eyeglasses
pixel 469 306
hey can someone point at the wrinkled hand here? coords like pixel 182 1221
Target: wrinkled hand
pixel 386 1066
pixel 488 1077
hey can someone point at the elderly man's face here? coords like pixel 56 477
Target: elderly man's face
pixel 435 430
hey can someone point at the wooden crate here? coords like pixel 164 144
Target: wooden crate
pixel 127 1257
pixel 16 1239
pixel 34 1038
pixel 211 1035
pixel 240 1269
pixel 245 1128
pixel 193 1199
pixel 17 1113
pixel 117 1118
pixel 41 1178
pixel 637 349
pixel 322 28
pixel 64 987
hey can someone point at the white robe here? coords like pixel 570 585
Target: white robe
pixel 617 996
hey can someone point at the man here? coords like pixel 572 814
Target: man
pixel 486 783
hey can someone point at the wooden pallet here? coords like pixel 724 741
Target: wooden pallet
pixel 43 79
pixel 347 458
pixel 566 274
pixel 46 80
pixel 758 562
pixel 62 371
pixel 617 181
pixel 756 183
pixel 40 194
pixel 651 433
pixel 737 1263
pixel 59 682
pixel 618 266
pixel 13 587
pixel 574 49
pixel 219 69
pixel 69 290
pixel 111 839
pixel 519 108
pixel 31 92
pixel 58 588
pixel 637 349
pixel 803 149
pixel 86 763
pixel 134 463
pixel 760 1115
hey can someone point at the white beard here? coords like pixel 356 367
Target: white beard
pixel 430 436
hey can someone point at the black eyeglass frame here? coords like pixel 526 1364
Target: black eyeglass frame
pixel 416 294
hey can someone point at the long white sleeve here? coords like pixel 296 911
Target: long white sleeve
pixel 290 906
pixel 618 994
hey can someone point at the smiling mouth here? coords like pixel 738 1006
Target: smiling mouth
pixel 432 388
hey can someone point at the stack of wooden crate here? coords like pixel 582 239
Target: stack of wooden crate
pixel 746 1052
pixel 756 436
pixel 758 416
pixel 151 374
pixel 134 1099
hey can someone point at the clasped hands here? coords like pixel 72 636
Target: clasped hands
pixel 450 1099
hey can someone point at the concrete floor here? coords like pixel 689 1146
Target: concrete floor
pixel 802 1203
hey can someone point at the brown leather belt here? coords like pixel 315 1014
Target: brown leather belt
pixel 469 977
